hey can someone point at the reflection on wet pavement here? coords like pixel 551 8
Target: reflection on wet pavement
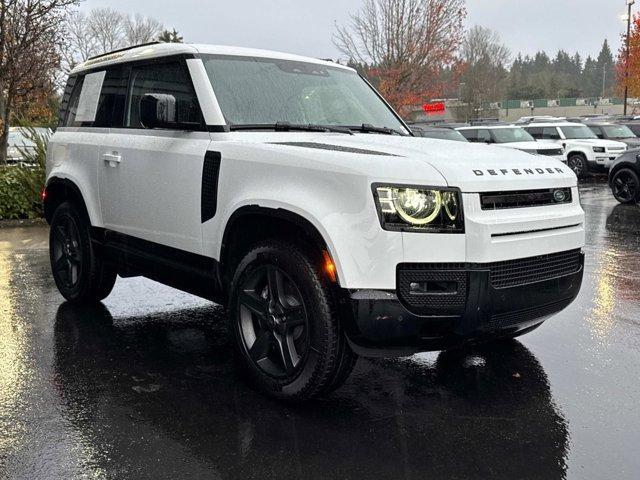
pixel 145 387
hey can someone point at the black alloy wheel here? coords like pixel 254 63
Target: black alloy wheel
pixel 66 253
pixel 286 324
pixel 273 322
pixel 625 186
pixel 78 268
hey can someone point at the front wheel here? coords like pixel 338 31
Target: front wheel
pixel 284 324
pixel 78 270
pixel 625 186
pixel 578 163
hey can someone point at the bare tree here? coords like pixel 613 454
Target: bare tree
pixel 30 32
pixel 139 29
pixel 103 30
pixel 485 63
pixel 404 44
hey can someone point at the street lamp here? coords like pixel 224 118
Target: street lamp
pixel 626 73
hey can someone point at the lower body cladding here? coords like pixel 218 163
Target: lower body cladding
pixel 440 306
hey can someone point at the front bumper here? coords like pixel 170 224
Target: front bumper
pixel 468 302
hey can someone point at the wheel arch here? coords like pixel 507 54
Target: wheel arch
pixel 267 222
pixel 626 164
pixel 61 189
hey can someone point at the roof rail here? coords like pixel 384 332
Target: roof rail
pixel 131 47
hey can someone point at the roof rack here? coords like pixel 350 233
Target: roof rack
pixel 95 57
pixel 540 119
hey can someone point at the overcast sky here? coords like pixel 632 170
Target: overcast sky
pixel 306 26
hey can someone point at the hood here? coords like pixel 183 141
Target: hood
pixel 414 160
pixel 528 146
pixel 632 142
pixel 596 142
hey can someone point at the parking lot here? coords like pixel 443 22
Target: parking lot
pixel 145 386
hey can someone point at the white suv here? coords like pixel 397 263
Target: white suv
pixel 508 136
pixel 584 150
pixel 287 189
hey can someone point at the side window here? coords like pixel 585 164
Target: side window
pixel 64 103
pixel 535 132
pixel 550 133
pixel 74 100
pixel 471 135
pixel 484 136
pixel 597 131
pixel 113 95
pixel 170 78
pixel 635 129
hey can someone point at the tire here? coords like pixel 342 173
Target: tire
pixel 578 163
pixel 78 270
pixel 625 186
pixel 284 323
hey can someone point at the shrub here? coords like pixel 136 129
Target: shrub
pixel 21 185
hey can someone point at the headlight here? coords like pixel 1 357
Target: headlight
pixel 598 149
pixel 419 209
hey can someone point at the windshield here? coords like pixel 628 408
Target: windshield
pixel 263 91
pixel 444 134
pixel 617 131
pixel 511 135
pixel 577 132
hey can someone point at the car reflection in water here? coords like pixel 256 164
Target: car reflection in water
pixel 159 396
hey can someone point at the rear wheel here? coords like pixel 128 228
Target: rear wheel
pixel 625 186
pixel 284 323
pixel 578 163
pixel 78 270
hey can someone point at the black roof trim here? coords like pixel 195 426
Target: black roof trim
pixel 123 50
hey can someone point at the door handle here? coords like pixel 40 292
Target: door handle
pixel 112 159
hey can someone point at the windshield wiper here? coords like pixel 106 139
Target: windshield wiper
pixel 368 128
pixel 289 127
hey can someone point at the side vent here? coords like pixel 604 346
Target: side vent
pixel 210 173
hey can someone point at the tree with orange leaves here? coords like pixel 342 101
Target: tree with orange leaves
pixel 403 45
pixel 633 80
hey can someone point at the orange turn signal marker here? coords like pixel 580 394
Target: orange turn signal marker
pixel 329 267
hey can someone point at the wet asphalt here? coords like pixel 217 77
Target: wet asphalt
pixel 145 387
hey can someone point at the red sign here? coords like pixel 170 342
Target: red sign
pixel 432 108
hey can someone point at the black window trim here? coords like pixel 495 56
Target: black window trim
pixel 127 68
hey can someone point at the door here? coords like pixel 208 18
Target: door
pixel 150 179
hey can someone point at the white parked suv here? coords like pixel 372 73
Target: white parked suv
pixel 509 136
pixel 287 189
pixel 585 152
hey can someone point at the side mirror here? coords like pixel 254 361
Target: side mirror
pixel 158 110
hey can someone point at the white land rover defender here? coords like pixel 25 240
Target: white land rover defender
pixel 585 152
pixel 288 190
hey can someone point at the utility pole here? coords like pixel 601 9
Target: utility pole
pixel 626 73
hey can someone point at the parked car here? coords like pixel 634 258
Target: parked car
pixel 288 190
pixel 612 131
pixel 585 152
pixel 21 143
pixel 439 132
pixel 509 136
pixel 633 125
pixel 624 175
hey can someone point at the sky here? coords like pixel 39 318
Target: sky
pixel 306 26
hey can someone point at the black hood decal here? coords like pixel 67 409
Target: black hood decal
pixel 334 148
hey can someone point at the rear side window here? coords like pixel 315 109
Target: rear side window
pixel 635 128
pixel 550 133
pixel 471 135
pixel 535 132
pixel 113 96
pixel 64 103
pixel 74 99
pixel 484 136
pixel 170 78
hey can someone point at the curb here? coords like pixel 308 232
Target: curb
pixel 31 222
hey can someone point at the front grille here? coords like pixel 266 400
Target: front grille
pixel 524 198
pixel 503 320
pixel 524 271
pixel 551 151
